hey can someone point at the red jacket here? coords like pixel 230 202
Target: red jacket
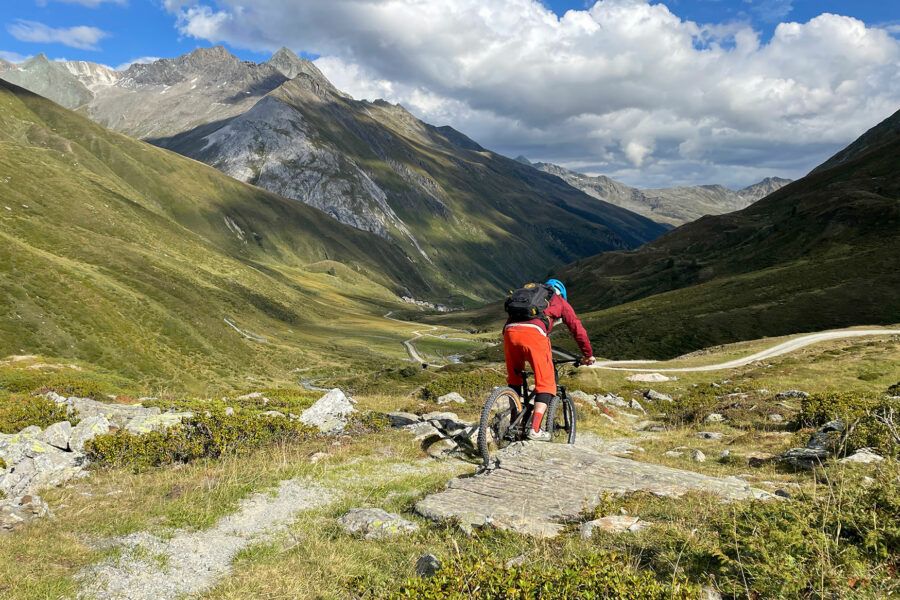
pixel 560 309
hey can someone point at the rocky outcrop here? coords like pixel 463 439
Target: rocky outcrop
pixel 539 486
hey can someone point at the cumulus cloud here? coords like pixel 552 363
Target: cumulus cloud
pixel 623 85
pixel 82 37
pixel 137 61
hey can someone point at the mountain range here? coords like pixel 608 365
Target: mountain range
pixel 674 206
pixel 469 220
pixel 819 253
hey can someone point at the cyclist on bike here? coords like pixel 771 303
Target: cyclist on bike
pixel 528 340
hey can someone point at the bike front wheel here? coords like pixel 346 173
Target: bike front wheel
pixel 497 428
pixel 561 420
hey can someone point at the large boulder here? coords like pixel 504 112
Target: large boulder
pixel 451 397
pixel 329 413
pixel 88 429
pixel 19 511
pixel 57 435
pixel 375 523
pixel 38 466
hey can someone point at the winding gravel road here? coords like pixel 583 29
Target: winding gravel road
pixel 784 348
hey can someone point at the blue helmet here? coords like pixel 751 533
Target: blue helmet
pixel 558 286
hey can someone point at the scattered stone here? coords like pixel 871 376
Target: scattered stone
pixel 402 419
pixel 20 511
pixel 776 418
pixel 329 413
pixel 57 435
pixel 698 456
pixel 709 593
pixel 229 411
pixel 674 453
pixel 612 400
pixel 440 447
pixel 422 431
pixel 612 524
pixel 272 414
pixel 758 459
pixel 317 457
pixel 710 435
pixel 88 429
pixel 648 377
pixel 584 398
pixel 427 565
pixel 783 494
pixel 714 418
pixel 805 458
pixel 518 560
pixel 451 397
pixel 725 456
pixel 792 394
pixel 658 396
pixel 635 405
pixel 375 523
pixel 863 455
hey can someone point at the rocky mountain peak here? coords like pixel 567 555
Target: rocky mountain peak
pixel 290 65
pixel 5 65
pixel 37 60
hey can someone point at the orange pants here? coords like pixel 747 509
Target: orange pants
pixel 528 343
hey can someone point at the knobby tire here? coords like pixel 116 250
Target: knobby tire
pixel 495 412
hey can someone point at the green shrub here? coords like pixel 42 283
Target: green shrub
pixel 198 437
pixel 596 576
pixel 470 385
pixel 894 390
pixel 696 402
pixel 74 386
pixel 869 421
pixel 368 421
pixel 816 546
pixel 18 412
pixel 285 400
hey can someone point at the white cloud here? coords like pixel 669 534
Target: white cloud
pixel 14 57
pixel 137 61
pixel 81 36
pixel 623 84
pixel 88 3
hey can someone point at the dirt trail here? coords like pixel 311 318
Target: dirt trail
pixel 783 348
pixel 408 344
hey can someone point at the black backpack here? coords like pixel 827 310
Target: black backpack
pixel 529 302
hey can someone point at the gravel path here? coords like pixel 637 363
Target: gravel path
pixel 784 348
pixel 154 568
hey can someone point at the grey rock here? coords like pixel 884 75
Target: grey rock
pixel 272 414
pixel 375 523
pixel 783 494
pixel 329 413
pixel 149 422
pixel 805 458
pixel 709 593
pixel 20 511
pixel 57 435
pixel 402 419
pixel 229 411
pixel 612 400
pixel 612 524
pixel 440 447
pixel 649 377
pixel 776 418
pixel 44 467
pixel 658 396
pixel 863 455
pixel 710 435
pixel 427 565
pixel 422 431
pixel 792 394
pixel 447 421
pixel 88 429
pixel 725 456
pixel 698 456
pixel 673 453
pixel 714 418
pixel 635 405
pixel 571 479
pixel 451 397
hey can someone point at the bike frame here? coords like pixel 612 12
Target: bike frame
pixel 528 395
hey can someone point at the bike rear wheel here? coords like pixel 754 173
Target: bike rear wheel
pixel 496 416
pixel 560 420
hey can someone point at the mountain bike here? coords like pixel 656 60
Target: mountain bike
pixel 505 417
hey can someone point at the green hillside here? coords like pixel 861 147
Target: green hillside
pixel 820 253
pixel 136 259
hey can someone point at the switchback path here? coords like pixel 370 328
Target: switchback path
pixel 783 348
pixel 408 344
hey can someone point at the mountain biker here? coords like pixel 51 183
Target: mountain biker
pixel 529 341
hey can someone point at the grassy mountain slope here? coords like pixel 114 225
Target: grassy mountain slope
pixel 132 258
pixel 819 253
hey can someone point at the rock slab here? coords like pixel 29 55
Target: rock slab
pixel 375 523
pixel 329 413
pixel 537 487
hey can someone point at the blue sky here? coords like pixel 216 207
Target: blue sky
pixel 653 94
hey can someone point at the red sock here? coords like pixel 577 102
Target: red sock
pixel 537 418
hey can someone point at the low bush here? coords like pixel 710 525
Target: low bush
pixel 697 402
pixel 200 436
pixel 827 545
pixel 75 386
pixel 870 421
pixel 19 411
pixel 894 390
pixel 470 385
pixel 596 576
pixel 285 400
